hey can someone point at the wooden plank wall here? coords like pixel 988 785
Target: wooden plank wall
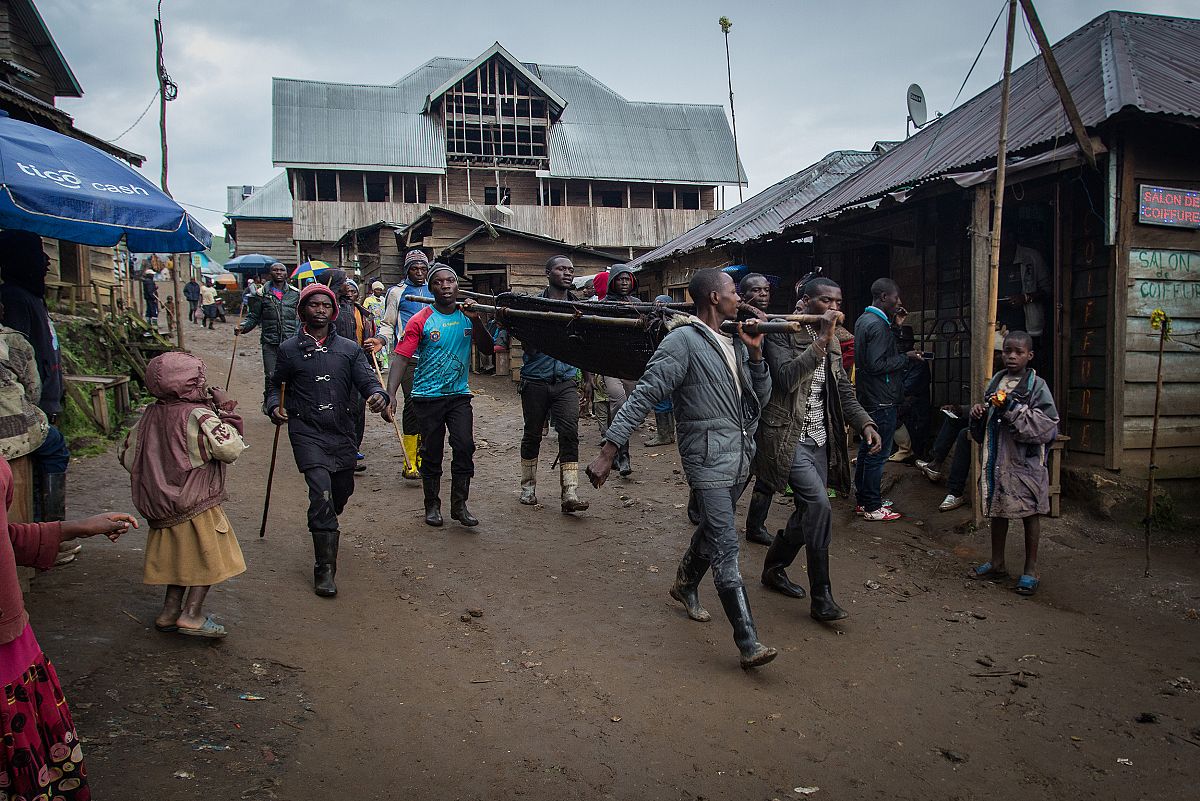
pixel 1162 270
pixel 525 260
pixel 269 237
pixel 15 45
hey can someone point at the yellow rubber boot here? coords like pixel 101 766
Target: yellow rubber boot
pixel 410 451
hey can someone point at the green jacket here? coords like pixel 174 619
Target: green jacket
pixel 792 359
pixel 276 316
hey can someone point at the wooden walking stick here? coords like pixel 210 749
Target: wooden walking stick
pixel 395 424
pixel 262 531
pixel 233 356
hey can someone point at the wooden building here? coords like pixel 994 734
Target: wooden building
pixel 1119 239
pixel 260 220
pixel 543 149
pixel 33 75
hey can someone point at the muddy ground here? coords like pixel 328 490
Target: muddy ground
pixel 582 679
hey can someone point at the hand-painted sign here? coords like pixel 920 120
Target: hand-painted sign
pixel 1161 205
pixel 1166 279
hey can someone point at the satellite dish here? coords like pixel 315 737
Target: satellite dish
pixel 917 112
pixel 505 210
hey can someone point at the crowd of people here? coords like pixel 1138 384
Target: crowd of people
pixel 778 410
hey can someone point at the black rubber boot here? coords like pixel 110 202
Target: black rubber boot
pixel 460 490
pixel 824 608
pixel 687 582
pixel 325 548
pixel 780 556
pixel 622 463
pixel 737 609
pixel 756 518
pixel 433 503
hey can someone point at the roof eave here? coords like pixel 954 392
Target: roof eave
pixel 65 83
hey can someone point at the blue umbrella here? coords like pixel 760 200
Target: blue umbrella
pixel 59 187
pixel 250 264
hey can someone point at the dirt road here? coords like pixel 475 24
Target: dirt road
pixel 582 679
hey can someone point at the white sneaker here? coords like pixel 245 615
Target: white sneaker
pixel 952 502
pixel 883 513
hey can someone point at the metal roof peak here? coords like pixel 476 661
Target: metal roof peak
pixel 496 49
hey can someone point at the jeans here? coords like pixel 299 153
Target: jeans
pixel 868 473
pixel 192 305
pixel 561 402
pixel 946 436
pixel 812 520
pixel 436 416
pixel 52 455
pixel 327 496
pixel 716 539
pixel 960 467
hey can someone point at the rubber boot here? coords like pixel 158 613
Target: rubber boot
pixel 54 509
pixel 433 503
pixel 780 556
pixel 460 490
pixel 325 548
pixel 665 422
pixel 756 518
pixel 529 481
pixel 410 453
pixel 568 473
pixel 622 463
pixel 687 583
pixel 737 609
pixel 824 608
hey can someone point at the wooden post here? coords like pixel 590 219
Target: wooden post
pixel 175 290
pixel 981 344
pixel 998 198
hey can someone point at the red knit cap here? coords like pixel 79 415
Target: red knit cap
pixel 317 289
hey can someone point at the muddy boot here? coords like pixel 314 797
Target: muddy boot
pixel 54 508
pixel 780 556
pixel 460 490
pixel 756 518
pixel 325 548
pixel 569 477
pixel 665 422
pixel 622 463
pixel 687 582
pixel 529 481
pixel 737 609
pixel 824 608
pixel 693 509
pixel 433 503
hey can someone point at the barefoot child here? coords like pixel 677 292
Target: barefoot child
pixel 176 455
pixel 1014 425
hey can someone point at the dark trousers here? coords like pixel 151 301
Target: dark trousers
pixel 812 520
pixel 52 456
pixel 960 466
pixel 270 355
pixel 327 496
pixel 946 437
pixel 868 472
pixel 359 414
pixel 192 306
pixel 436 416
pixel 716 539
pixel 408 418
pixel 561 402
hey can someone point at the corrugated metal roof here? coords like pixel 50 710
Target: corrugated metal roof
pixel 1117 62
pixel 764 213
pixel 599 135
pixel 271 201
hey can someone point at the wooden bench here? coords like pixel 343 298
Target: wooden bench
pixel 1054 465
pixel 97 407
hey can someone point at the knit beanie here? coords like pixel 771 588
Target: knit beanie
pixel 414 256
pixel 317 289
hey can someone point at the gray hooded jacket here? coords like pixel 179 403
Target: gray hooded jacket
pixel 715 424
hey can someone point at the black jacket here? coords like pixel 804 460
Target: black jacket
pixel 276 316
pixel 324 384
pixel 878 363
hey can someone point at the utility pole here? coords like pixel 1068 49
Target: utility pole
pixel 726 24
pixel 167 90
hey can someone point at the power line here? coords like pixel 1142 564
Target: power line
pixel 202 208
pixel 135 122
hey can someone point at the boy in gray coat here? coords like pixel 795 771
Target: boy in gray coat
pixel 718 386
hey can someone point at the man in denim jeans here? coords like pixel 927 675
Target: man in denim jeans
pixel 880 387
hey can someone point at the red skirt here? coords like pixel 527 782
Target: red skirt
pixel 40 756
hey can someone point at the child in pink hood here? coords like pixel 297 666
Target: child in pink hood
pixel 176 456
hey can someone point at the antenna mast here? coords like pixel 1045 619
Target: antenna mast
pixel 726 24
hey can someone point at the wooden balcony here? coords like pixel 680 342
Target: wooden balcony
pixel 319 221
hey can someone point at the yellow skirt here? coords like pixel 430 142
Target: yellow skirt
pixel 195 553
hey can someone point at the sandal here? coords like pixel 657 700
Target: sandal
pixel 987 572
pixel 210 629
pixel 1027 585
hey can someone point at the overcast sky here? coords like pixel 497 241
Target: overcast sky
pixel 810 76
